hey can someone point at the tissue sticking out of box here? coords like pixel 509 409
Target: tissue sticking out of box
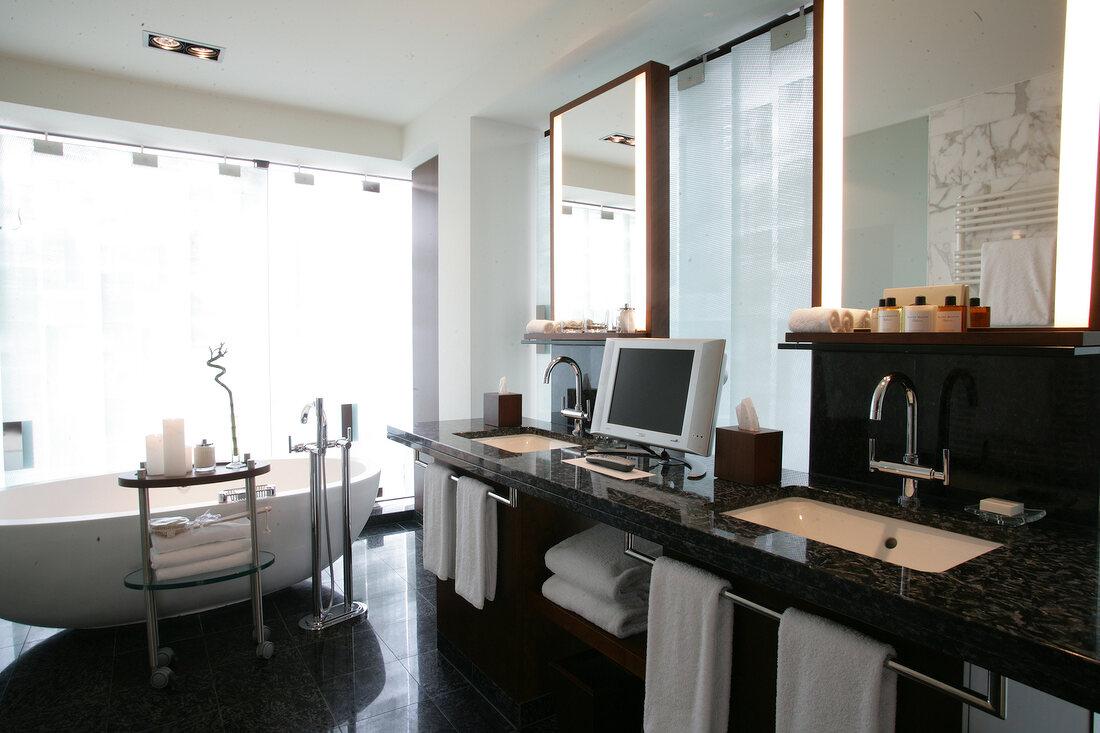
pixel 746 416
pixel 503 388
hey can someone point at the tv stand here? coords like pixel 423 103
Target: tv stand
pixel 695 468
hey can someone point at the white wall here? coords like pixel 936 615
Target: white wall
pixel 502 252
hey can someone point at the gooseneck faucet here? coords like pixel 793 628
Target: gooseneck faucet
pixel 577 413
pixel 909 469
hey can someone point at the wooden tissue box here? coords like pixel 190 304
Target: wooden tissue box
pixel 747 457
pixel 503 410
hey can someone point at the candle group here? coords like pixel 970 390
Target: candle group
pixel 166 453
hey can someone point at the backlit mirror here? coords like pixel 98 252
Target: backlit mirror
pixel 609 189
pixel 952 129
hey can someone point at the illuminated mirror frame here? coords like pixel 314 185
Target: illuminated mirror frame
pixel 1077 271
pixel 651 180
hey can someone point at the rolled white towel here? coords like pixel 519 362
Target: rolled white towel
pixel 847 322
pixel 542 326
pixel 814 320
pixel 861 318
pixel 594 562
pixel 205 566
pixel 620 619
pixel 218 532
pixel 198 553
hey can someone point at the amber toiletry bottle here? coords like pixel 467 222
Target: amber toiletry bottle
pixel 979 314
pixel 874 314
pixel 950 318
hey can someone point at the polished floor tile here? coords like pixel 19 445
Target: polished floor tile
pixel 381 674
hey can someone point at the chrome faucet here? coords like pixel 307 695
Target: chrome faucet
pixel 577 413
pixel 909 469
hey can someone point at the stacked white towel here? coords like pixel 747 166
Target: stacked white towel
pixel 595 580
pixel 828 320
pixel 476 543
pixel 689 651
pixel 439 522
pixel 205 549
pixel 831 679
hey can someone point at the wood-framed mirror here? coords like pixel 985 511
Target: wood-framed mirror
pixel 609 223
pixel 986 116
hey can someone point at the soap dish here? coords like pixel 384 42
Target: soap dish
pixel 1029 515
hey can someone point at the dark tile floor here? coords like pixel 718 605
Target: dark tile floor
pixel 381 674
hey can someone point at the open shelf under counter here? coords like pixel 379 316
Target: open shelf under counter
pixel 1019 341
pixel 591 337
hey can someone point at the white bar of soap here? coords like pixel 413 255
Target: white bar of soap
pixel 1001 506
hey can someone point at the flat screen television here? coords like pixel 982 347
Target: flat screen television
pixel 660 392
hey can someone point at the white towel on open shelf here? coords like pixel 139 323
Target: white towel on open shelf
pixel 198 553
pixel 204 566
pixel 218 532
pixel 476 543
pixel 831 679
pixel 593 561
pixel 621 619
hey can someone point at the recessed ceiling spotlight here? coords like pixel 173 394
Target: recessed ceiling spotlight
pixel 182 45
pixel 619 137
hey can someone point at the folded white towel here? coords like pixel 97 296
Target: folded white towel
pixel 860 318
pixel 814 320
pixel 594 562
pixel 204 566
pixel 206 534
pixel 689 650
pixel 831 679
pixel 542 326
pixel 620 619
pixel 1018 281
pixel 439 522
pixel 198 552
pixel 476 545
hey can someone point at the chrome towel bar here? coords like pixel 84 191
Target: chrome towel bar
pixel 993 703
pixel 511 500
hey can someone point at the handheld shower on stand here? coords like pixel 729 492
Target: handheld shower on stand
pixel 322 618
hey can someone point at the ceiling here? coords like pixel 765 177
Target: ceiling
pixel 388 61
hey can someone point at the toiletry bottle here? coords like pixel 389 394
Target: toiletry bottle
pixel 979 314
pixel 889 317
pixel 874 314
pixel 950 318
pixel 918 317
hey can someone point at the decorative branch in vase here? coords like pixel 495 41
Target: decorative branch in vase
pixel 236 461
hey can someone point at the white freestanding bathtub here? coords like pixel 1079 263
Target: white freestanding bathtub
pixel 65 546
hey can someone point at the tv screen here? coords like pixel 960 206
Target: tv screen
pixel 651 389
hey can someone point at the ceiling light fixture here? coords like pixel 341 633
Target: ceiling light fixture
pixel 619 137
pixel 182 45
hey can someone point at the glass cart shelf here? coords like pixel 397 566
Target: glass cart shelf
pixel 135 580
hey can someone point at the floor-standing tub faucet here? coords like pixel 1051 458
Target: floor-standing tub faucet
pixel 577 413
pixel 322 618
pixel 909 468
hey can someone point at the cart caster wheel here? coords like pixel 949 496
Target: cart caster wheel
pixel 265 650
pixel 161 678
pixel 267 633
pixel 165 656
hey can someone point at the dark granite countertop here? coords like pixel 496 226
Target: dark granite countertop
pixel 1029 610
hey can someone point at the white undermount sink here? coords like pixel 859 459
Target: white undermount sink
pixel 896 541
pixel 524 443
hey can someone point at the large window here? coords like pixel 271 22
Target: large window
pixel 116 279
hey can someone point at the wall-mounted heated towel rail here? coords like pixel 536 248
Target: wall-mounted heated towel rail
pixel 993 703
pixel 1024 212
pixel 511 500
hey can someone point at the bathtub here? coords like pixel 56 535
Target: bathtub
pixel 65 546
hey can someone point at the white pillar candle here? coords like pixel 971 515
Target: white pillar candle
pixel 174 460
pixel 154 454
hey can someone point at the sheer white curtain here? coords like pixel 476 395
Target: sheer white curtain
pixel 117 279
pixel 741 204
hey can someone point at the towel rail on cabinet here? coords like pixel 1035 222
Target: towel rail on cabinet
pixel 993 703
pixel 510 500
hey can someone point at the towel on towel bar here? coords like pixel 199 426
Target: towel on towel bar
pixel 1018 281
pixel 198 553
pixel 219 532
pixel 689 650
pixel 439 522
pixel 619 619
pixel 593 561
pixel 205 566
pixel 476 546
pixel 831 679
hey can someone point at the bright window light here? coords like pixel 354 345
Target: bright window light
pixel 832 154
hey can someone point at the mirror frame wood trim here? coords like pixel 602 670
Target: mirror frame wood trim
pixel 657 194
pixel 821 8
